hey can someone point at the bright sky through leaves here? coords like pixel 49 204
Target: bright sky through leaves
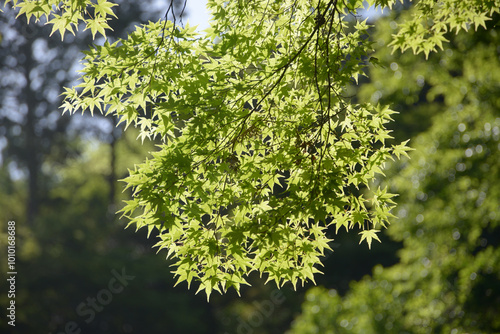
pixel 198 14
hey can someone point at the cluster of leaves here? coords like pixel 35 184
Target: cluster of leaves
pixel 448 209
pixel 262 149
pixel 424 28
pixel 66 15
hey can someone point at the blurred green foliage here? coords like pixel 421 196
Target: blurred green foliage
pixel 448 216
pixel 68 253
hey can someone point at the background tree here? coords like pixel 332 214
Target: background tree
pixel 448 211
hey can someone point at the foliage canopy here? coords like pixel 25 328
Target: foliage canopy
pixel 262 148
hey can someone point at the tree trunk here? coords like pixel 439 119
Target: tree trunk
pixel 32 143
